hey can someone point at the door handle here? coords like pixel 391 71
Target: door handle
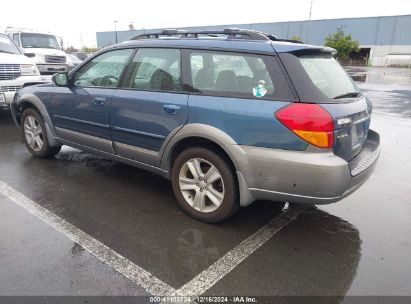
pixel 171 109
pixel 99 101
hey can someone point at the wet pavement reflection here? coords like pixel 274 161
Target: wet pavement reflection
pixel 318 254
pixel 132 211
pixel 36 260
pixel 380 75
pixel 388 88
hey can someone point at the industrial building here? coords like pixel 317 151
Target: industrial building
pixel 384 41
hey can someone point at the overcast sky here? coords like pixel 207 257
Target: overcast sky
pixel 78 21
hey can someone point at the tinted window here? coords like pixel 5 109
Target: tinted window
pixel 328 75
pixel 155 70
pixel 104 70
pixel 231 73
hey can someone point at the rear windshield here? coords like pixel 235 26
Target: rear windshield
pixel 328 76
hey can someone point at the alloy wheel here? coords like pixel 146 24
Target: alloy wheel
pixel 202 185
pixel 33 133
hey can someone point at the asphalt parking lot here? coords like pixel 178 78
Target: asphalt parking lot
pixel 121 231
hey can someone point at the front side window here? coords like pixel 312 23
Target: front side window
pixel 231 73
pixel 7 46
pixel 155 70
pixel 16 39
pixel 104 70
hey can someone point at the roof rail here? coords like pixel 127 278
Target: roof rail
pixel 231 33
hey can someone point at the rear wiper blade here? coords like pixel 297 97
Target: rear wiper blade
pixel 346 95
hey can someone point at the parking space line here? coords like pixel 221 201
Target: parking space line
pixel 209 277
pixel 133 272
pixel 141 277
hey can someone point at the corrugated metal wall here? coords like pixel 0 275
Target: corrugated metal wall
pixel 391 30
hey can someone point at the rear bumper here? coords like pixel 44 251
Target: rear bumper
pixel 313 176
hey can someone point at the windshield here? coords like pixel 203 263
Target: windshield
pixel 34 40
pixel 7 46
pixel 329 76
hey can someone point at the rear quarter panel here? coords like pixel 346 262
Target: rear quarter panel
pixel 247 121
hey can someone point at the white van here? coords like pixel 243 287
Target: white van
pixel 15 70
pixel 45 49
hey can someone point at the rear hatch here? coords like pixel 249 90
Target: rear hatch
pixel 318 78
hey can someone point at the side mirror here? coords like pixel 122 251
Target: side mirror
pixel 61 79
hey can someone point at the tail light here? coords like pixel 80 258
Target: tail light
pixel 309 121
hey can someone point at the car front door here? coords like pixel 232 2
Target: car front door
pixel 81 111
pixel 149 105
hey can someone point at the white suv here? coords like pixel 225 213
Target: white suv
pixel 15 70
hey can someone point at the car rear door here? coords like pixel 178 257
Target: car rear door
pixel 238 93
pixel 81 112
pixel 149 106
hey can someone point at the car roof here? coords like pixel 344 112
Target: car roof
pixel 248 46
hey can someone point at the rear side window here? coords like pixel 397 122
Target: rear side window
pixel 328 75
pixel 155 70
pixel 236 75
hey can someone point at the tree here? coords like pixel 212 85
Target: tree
pixel 70 50
pixel 89 50
pixel 344 44
pixel 298 38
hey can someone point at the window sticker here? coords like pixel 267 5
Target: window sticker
pixel 260 90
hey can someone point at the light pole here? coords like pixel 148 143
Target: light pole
pixel 309 21
pixel 115 30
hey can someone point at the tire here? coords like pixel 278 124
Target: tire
pixel 210 195
pixel 35 135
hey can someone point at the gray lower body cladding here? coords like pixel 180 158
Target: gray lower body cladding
pixel 313 176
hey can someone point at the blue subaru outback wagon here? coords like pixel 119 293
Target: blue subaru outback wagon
pixel 228 116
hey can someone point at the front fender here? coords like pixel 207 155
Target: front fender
pixel 30 99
